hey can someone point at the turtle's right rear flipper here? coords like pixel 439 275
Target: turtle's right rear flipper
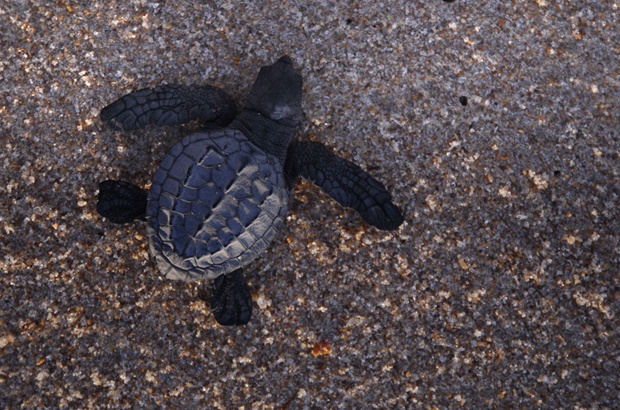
pixel 231 303
pixel 121 202
pixel 169 105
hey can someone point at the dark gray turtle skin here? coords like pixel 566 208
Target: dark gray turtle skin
pixel 220 196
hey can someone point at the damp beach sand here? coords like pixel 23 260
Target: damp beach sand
pixel 494 125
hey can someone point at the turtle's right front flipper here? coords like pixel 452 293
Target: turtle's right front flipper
pixel 169 105
pixel 345 182
pixel 121 202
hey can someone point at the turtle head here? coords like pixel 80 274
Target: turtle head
pixel 276 93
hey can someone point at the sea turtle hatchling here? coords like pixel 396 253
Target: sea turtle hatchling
pixel 220 196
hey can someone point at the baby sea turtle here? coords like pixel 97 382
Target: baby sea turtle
pixel 220 196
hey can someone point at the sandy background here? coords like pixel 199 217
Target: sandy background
pixel 501 289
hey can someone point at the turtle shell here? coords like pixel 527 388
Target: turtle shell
pixel 215 203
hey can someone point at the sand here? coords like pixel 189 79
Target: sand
pixel 494 125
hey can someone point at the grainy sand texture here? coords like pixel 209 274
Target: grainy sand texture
pixel 495 124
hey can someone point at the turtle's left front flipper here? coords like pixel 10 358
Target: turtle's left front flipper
pixel 169 105
pixel 345 182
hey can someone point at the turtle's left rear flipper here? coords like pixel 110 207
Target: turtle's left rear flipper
pixel 121 202
pixel 345 182
pixel 169 105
